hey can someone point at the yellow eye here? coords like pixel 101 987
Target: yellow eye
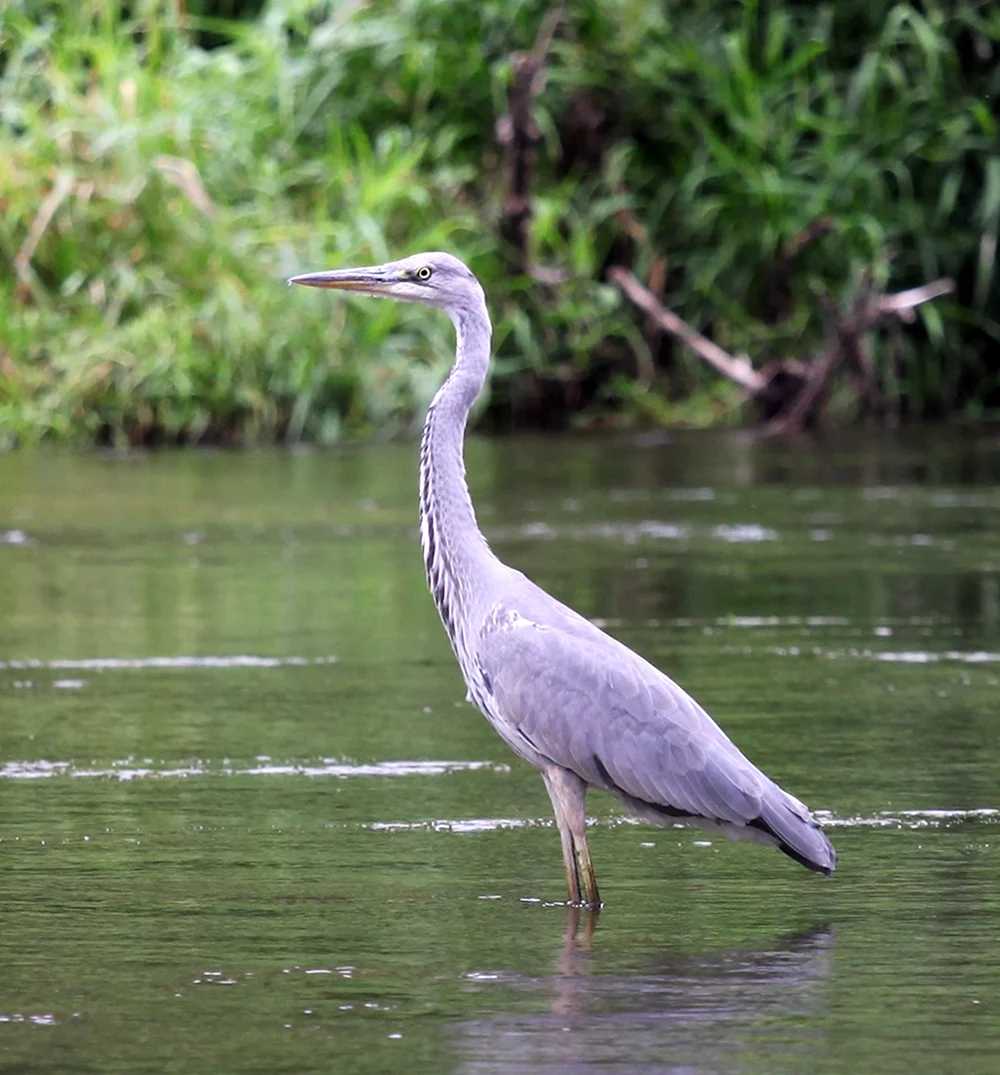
pixel 424 273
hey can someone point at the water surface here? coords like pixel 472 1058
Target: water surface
pixel 249 823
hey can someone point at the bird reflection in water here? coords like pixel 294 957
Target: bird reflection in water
pixel 713 1010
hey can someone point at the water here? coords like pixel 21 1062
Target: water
pixel 248 822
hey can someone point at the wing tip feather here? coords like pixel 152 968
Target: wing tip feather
pixel 811 849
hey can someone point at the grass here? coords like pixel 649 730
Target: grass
pixel 155 203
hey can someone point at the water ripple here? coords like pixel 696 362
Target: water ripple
pixel 627 533
pixel 462 826
pixel 38 1018
pixel 909 819
pixel 104 664
pixel 632 533
pixel 899 819
pixel 888 656
pixel 748 532
pixel 15 537
pixel 128 769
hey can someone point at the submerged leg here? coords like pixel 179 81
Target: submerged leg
pixel 567 792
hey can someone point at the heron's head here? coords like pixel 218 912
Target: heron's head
pixel 434 279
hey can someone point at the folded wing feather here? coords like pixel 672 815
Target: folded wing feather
pixel 588 703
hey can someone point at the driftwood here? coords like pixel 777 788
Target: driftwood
pixel 789 394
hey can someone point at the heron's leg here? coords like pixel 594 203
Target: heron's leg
pixel 553 787
pixel 567 792
pixel 587 868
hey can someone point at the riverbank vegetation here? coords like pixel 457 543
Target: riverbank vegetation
pixel 163 166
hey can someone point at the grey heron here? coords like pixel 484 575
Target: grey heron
pixel 571 700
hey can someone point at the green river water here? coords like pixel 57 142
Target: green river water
pixel 248 822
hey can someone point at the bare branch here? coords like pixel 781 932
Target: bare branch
pixel 543 42
pixel 847 346
pixel 738 370
pixel 60 189
pixel 518 132
pixel 185 176
pixel 803 405
pixel 903 302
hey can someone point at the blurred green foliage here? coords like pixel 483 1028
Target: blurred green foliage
pixel 163 167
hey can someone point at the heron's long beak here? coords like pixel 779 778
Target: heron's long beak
pixel 370 281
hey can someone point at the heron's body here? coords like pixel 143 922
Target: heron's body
pixel 568 698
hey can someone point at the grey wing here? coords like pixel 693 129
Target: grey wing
pixel 579 698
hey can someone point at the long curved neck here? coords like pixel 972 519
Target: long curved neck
pixel 455 552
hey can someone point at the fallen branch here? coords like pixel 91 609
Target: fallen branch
pixel 736 369
pixel 847 347
pixel 787 393
pixel 903 303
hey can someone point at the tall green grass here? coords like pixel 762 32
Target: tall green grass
pixel 163 194
pixel 156 192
